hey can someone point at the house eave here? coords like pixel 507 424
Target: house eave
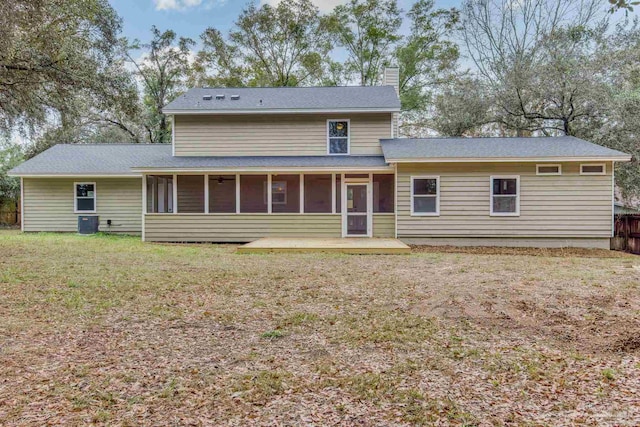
pixel 506 159
pixel 75 175
pixel 265 169
pixel 285 111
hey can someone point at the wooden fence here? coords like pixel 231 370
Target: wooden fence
pixel 627 233
pixel 10 214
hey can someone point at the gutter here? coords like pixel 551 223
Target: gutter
pixel 77 175
pixel 283 111
pixel 270 169
pixel 506 159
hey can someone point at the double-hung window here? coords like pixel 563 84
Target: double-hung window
pixel 338 137
pixel 505 195
pixel 425 195
pixel 84 200
pixel 279 192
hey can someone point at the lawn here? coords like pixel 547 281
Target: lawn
pixel 112 331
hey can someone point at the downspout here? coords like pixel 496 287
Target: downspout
pixel 144 204
pixel 613 198
pixel 395 201
pixel 22 204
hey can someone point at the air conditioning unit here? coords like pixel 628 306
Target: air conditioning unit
pixel 88 224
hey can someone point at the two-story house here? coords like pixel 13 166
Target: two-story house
pixel 248 163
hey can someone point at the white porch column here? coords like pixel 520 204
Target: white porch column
pixel 301 193
pixel 175 193
pixel 206 193
pixel 237 193
pixel 333 193
pixel 269 193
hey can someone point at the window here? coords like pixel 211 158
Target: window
pixel 279 192
pixel 505 195
pixel 383 194
pixel 548 169
pixel 222 194
pixel 425 195
pixel 85 197
pixel 317 194
pixel 338 136
pixel 285 193
pixel 593 169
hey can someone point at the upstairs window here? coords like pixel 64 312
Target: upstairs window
pixel 338 137
pixel 85 197
pixel 505 195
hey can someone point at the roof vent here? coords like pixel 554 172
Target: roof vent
pixel 235 97
pixel 207 97
pixel 260 103
pixel 220 97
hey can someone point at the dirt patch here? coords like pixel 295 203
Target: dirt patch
pixel 538 252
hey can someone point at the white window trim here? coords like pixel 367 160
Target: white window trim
pixel 517 178
pixel 285 193
pixel 348 137
pixel 437 196
pixel 75 198
pixel 268 187
pixel 604 168
pixel 558 165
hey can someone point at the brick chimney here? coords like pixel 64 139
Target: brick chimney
pixel 391 77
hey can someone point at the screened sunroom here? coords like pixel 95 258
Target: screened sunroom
pixel 245 206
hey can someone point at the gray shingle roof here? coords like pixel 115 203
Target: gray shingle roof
pixel 92 159
pixel 119 159
pixel 374 98
pixel 403 149
pixel 185 163
pixel 125 159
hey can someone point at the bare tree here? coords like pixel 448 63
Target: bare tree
pixel 535 55
pixel 502 35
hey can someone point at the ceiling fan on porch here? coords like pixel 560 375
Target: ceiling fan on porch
pixel 222 179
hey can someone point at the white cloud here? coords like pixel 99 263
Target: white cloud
pixel 176 4
pixel 323 5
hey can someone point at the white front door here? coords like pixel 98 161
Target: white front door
pixel 356 209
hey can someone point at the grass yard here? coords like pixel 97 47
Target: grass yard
pixel 112 331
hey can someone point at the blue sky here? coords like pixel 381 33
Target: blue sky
pixel 190 17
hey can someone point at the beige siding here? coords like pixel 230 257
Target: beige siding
pixel 384 225
pixel 275 135
pixel 248 227
pixel 563 206
pixel 238 228
pixel 48 204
